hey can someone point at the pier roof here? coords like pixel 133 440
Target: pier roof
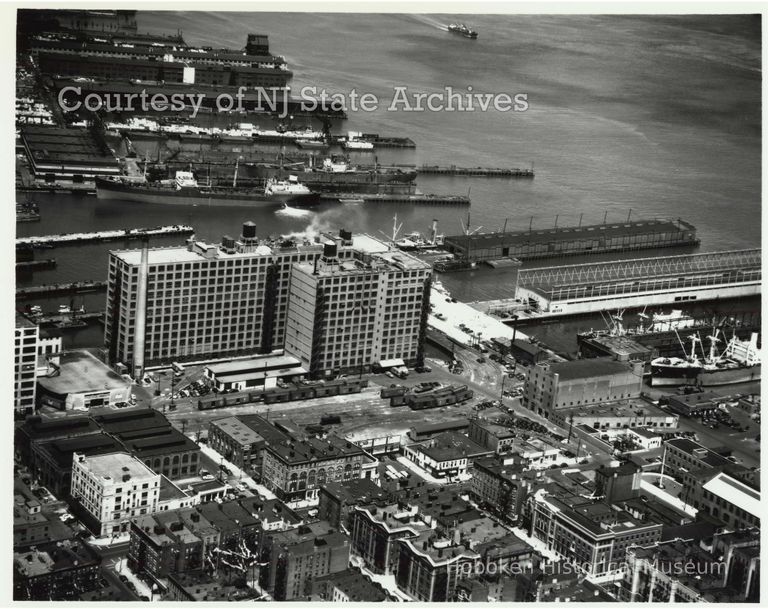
pixel 569 233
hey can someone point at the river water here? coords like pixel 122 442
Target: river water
pixel 657 115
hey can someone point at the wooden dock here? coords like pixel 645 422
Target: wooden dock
pixel 78 287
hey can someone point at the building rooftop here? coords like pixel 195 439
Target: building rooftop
pixel 23 322
pixel 568 233
pixel 308 449
pixel 452 424
pixel 53 556
pixel 93 444
pixel 238 430
pixel 266 248
pixel 81 372
pixel 628 407
pixel 451 445
pixel 587 368
pixel 114 466
pixel 257 367
pixel 735 492
pixel 168 440
pixel 38 428
pixel 203 587
pixel 356 586
pixel 130 420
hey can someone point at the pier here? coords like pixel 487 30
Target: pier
pixel 421 199
pixel 78 287
pixel 34 265
pixel 68 320
pixel 557 241
pixel 476 172
pixel 624 284
pixel 107 235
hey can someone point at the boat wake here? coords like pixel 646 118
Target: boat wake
pixel 294 212
pixel 427 20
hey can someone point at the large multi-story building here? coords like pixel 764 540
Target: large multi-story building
pixel 111 489
pixel 375 529
pixel 206 299
pixel 430 566
pixel 299 556
pixel 552 386
pixel 297 469
pixel 502 487
pixel 60 570
pixel 348 314
pixel 591 535
pixel 25 341
pixel 726 569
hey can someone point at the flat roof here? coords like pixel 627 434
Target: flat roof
pixel 735 492
pixel 585 368
pixel 569 233
pixel 238 430
pixel 81 372
pixel 115 465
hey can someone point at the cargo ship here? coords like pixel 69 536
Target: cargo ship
pixel 739 362
pixel 464 30
pixel 184 190
pixel 335 174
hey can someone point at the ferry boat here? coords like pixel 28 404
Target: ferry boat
pixel 463 29
pixel 739 362
pixel 184 190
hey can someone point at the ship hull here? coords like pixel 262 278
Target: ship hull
pixel 662 376
pixel 107 190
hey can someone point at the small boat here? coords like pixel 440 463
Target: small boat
pixel 463 29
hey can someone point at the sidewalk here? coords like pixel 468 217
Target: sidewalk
pixel 121 568
pixel 236 471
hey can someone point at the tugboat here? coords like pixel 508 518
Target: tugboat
pixel 463 29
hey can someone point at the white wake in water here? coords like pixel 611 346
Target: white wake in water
pixel 293 212
pixel 429 20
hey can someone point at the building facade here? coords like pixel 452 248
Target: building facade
pixel 207 299
pixel 346 315
pixel 112 489
pixel 25 341
pixel 553 386
pixel 297 469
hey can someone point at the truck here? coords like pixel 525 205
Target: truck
pixel 400 372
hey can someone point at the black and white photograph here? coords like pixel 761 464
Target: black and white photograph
pixel 328 304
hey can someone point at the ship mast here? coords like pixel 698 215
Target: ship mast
pixel 234 179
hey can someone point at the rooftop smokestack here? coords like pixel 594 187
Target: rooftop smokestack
pixel 141 311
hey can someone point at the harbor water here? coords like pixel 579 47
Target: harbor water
pixel 657 115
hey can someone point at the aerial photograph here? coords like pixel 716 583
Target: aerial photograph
pixel 386 307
